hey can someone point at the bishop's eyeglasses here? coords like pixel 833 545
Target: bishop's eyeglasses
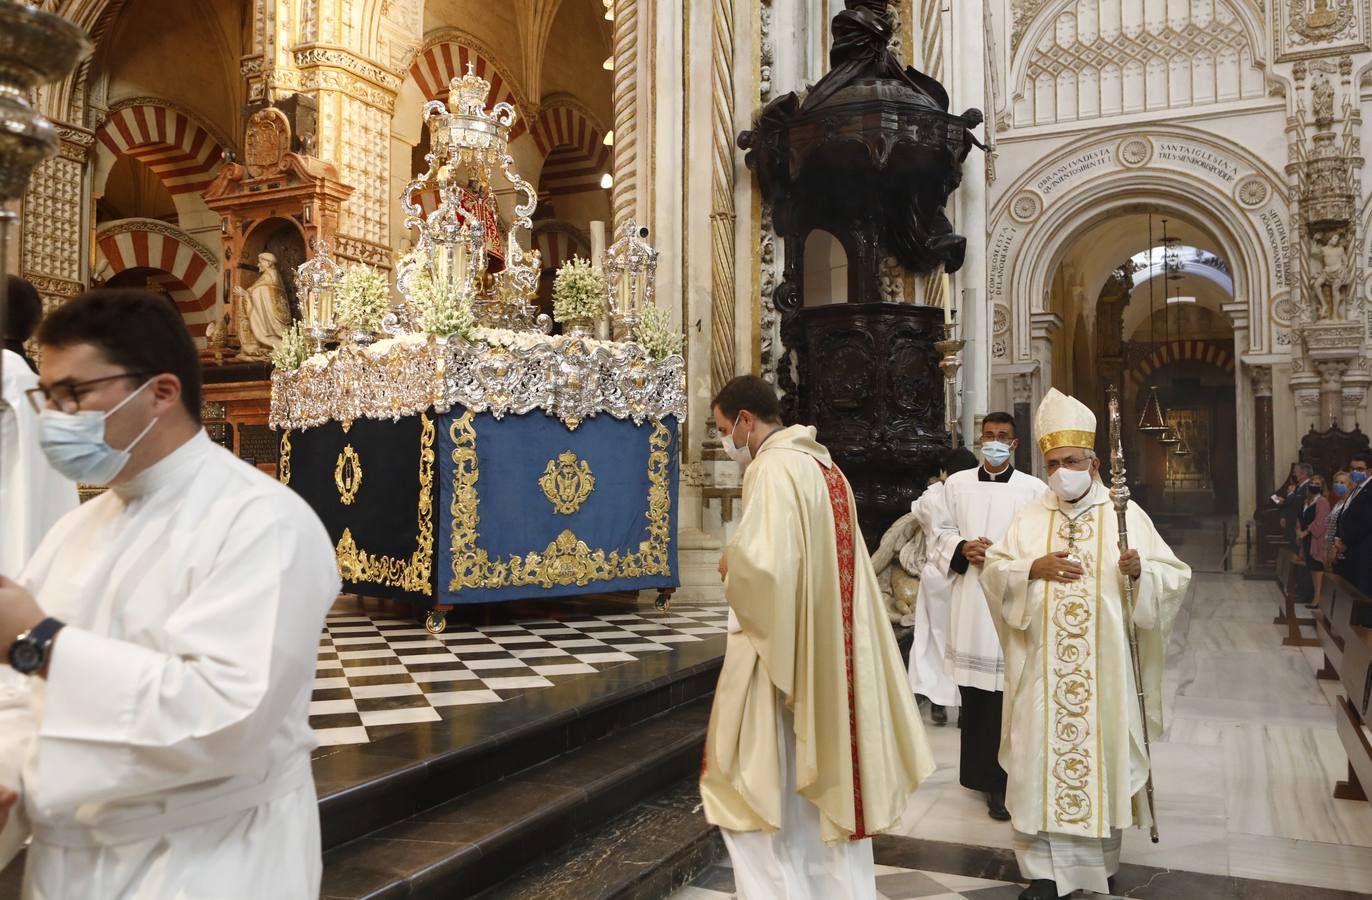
pixel 1079 463
pixel 67 395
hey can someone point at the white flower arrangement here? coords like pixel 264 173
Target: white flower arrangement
pixel 525 340
pixel 441 313
pixel 580 293
pixel 363 298
pixel 294 349
pixel 655 332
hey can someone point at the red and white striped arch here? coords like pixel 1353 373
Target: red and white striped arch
pixel 1213 352
pixel 574 149
pixel 180 151
pixel 182 266
pixel 558 242
pixel 439 63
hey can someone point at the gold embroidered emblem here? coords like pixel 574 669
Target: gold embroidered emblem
pixel 283 465
pixel 414 575
pixel 347 475
pixel 567 482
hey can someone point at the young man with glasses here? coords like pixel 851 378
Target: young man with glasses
pixel 979 505
pixel 1074 741
pixel 154 734
pixel 32 495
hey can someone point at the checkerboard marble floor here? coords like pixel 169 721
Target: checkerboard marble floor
pixel 379 671
pixel 717 883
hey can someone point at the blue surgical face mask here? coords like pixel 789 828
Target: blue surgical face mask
pixel 75 445
pixel 1341 489
pixel 997 453
pixel 1358 476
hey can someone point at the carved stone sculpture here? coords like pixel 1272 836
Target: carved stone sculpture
pixel 1322 102
pixel 898 560
pixel 264 312
pixel 1331 274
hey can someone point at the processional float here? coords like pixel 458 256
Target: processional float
pixel 457 451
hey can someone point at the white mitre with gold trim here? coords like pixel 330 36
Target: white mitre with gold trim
pixel 1064 421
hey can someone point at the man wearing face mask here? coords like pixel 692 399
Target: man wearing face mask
pixel 814 743
pixel 979 505
pixel 154 735
pixel 1074 740
pixel 1353 540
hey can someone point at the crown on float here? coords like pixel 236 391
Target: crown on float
pixel 467 95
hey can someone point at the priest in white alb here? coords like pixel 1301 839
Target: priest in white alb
pixel 33 496
pixel 980 504
pixel 814 743
pixel 1073 738
pixel 933 605
pixel 161 644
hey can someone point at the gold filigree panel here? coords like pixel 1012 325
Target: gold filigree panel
pixel 347 475
pixel 568 560
pixel 283 463
pixel 414 575
pixel 567 482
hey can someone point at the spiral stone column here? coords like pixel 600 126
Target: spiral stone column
pixel 624 199
pixel 722 214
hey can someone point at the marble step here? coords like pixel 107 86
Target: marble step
pixel 396 778
pixel 659 846
pixel 474 841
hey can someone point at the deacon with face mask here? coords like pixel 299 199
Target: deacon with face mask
pixel 1073 743
pixel 159 649
pixel 979 505
pixel 814 743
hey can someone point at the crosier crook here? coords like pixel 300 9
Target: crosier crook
pixel 1119 496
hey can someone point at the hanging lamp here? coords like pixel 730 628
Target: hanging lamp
pixel 1151 422
pixel 1169 437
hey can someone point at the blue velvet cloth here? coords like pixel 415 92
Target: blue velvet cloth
pixel 518 546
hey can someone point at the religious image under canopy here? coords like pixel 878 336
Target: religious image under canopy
pixel 753 449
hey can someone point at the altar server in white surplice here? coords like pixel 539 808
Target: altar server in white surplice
pixel 814 742
pixel 32 495
pixel 933 604
pixel 1073 739
pixel 162 641
pixel 981 502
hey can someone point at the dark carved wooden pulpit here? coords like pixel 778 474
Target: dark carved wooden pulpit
pixel 869 155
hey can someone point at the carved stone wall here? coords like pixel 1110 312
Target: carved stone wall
pixel 53 214
pixel 1122 56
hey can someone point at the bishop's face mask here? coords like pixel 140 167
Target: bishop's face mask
pixel 739 454
pixel 1070 484
pixel 75 444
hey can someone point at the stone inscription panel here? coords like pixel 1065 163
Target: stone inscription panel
pixel 1090 162
pixel 1210 164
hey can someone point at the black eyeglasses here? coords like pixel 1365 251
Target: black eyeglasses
pixel 1077 463
pixel 66 395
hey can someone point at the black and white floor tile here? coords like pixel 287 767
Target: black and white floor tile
pixel 717 883
pixel 375 671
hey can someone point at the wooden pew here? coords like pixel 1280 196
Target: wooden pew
pixel 1289 568
pixel 1345 632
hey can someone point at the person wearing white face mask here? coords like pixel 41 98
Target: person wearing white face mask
pixel 814 743
pixel 979 504
pixel 154 734
pixel 33 496
pixel 1073 745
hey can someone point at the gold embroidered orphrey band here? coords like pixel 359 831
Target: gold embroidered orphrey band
pixel 1067 438
pixel 413 575
pixel 568 560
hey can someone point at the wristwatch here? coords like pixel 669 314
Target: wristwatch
pixel 29 652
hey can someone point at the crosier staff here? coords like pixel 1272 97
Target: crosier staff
pixel 1119 496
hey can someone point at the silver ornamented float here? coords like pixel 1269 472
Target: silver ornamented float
pixel 547 464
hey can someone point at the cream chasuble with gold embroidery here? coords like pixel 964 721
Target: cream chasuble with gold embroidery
pixel 813 636
pixel 1071 739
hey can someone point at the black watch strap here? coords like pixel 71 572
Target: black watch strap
pixel 29 652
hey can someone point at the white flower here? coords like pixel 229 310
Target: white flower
pixel 579 293
pixel 362 298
